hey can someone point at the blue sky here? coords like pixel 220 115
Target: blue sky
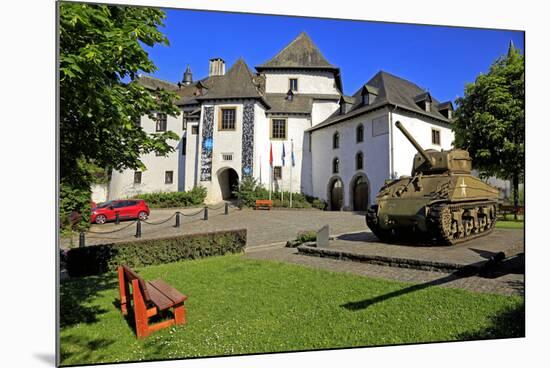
pixel 439 59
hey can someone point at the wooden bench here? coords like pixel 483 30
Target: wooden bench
pixel 264 203
pixel 504 210
pixel 148 299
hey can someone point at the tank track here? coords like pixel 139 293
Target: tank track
pixel 477 219
pixel 372 222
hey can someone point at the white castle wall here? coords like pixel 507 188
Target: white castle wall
pixel 152 180
pixel 308 81
pixel 374 148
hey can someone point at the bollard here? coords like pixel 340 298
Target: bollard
pixel 138 229
pixel 177 219
pixel 226 208
pixel 81 240
pixel 205 213
pixel 117 218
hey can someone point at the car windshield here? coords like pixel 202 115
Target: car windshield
pixel 105 204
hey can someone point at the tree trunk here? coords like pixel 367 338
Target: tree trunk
pixel 515 183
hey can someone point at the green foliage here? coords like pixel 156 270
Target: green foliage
pixel 193 197
pixel 306 236
pixel 250 191
pixel 242 306
pixel 98 259
pixel 74 207
pixel 490 119
pixel 101 54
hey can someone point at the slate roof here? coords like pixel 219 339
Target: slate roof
pixel 301 53
pixel 238 82
pixel 300 104
pixel 392 90
pixel 153 83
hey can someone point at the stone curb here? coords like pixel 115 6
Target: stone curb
pixel 447 267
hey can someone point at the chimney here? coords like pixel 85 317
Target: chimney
pixel 217 67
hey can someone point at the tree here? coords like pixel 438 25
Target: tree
pixel 490 120
pixel 101 54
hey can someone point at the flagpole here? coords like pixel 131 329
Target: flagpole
pixel 291 164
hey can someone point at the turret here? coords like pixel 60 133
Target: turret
pixel 454 161
pixel 187 76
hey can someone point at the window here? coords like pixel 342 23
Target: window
pixel 278 128
pixel 436 137
pixel 293 84
pixel 137 177
pixel 183 146
pixel 335 165
pixel 195 129
pixel 277 172
pixel 227 119
pixel 227 156
pixel 168 177
pixel 161 122
pixel 336 140
pixel 359 161
pixel 359 133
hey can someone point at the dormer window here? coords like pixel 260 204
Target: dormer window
pixel 446 109
pixel 368 94
pixel 424 101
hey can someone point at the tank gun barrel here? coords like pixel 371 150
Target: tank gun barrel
pixel 413 142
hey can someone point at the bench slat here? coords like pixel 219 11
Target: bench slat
pixel 168 291
pixel 160 300
pixel 131 275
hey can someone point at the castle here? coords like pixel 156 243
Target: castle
pixel 338 148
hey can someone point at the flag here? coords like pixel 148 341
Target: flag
pixel 292 153
pixel 271 154
pixel 283 155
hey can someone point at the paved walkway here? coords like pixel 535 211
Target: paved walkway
pixel 507 279
pixel 264 227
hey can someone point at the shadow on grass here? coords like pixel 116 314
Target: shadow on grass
pixel 492 269
pixel 510 322
pixel 354 306
pixel 84 347
pixel 77 296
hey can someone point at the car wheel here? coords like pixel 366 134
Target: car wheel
pixel 143 215
pixel 100 219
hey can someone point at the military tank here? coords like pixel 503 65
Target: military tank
pixel 440 203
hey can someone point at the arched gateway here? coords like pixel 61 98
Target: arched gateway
pixel 359 193
pixel 335 194
pixel 228 180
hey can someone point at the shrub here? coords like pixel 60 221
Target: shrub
pixel 302 237
pixel 74 207
pixel 98 259
pixel 250 191
pixel 193 197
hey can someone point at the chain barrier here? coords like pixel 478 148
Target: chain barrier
pixel 113 231
pixel 192 214
pixel 161 222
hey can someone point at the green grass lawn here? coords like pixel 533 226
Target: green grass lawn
pixel 241 306
pixel 509 224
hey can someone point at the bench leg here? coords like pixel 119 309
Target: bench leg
pixel 179 314
pixel 123 289
pixel 140 312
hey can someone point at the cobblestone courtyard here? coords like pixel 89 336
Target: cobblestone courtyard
pixel 264 227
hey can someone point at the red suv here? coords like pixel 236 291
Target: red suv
pixel 126 209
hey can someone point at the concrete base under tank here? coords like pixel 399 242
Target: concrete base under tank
pixel 470 257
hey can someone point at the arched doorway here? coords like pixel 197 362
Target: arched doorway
pixel 229 183
pixel 360 193
pixel 336 194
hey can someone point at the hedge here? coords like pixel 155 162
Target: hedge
pixel 96 259
pixel 194 197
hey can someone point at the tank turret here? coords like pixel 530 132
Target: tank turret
pixel 431 161
pixel 441 202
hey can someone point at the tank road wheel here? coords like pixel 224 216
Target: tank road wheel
pixel 372 222
pixel 447 225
